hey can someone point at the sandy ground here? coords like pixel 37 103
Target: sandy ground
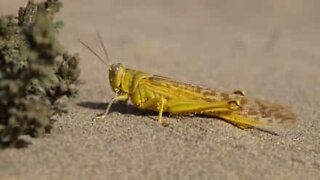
pixel 270 49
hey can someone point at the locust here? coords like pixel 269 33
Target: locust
pixel 166 95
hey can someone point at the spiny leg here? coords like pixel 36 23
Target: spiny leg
pixel 120 97
pixel 241 122
pixel 178 106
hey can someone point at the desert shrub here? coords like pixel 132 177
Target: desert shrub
pixel 36 73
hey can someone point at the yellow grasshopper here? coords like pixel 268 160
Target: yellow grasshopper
pixel 163 94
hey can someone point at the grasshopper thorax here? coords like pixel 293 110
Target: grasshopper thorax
pixel 116 73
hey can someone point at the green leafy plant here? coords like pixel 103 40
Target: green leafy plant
pixel 36 73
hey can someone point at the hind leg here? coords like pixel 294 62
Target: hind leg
pixel 241 121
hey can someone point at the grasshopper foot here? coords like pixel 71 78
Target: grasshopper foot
pixel 101 117
pixel 162 122
pixel 165 123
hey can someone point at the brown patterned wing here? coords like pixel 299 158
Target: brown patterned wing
pixel 269 114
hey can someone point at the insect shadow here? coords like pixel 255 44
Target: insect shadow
pixel 119 107
pixel 123 108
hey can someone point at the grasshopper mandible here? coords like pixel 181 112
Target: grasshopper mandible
pixel 163 94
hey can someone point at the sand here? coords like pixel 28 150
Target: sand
pixel 269 49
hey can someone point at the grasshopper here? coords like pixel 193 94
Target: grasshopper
pixel 162 94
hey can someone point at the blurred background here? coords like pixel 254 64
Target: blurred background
pixel 270 49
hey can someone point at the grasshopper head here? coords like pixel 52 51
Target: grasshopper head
pixel 116 72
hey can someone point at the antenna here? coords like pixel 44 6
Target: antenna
pixel 95 53
pixel 103 47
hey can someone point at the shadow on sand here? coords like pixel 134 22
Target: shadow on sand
pixel 124 108
pixel 117 107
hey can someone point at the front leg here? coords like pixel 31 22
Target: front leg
pixel 120 97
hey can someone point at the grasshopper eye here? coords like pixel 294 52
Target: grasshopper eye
pixel 115 68
pixel 116 72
